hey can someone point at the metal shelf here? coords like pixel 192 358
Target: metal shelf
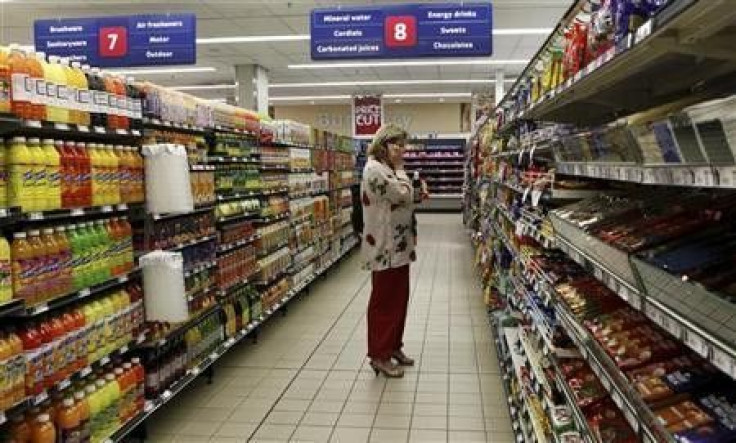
pixel 698 176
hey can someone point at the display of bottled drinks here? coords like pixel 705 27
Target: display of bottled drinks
pixel 274 264
pixel 203 186
pixel 58 91
pixel 274 293
pixel 196 145
pixel 168 363
pixel 235 266
pixel 234 145
pixel 272 181
pixel 173 232
pixel 233 233
pixel 240 207
pixel 47 175
pixel 272 236
pixel 275 205
pixel 90 410
pixel 199 255
pixel 237 178
pixel 47 263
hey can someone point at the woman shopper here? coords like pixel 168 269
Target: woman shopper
pixel 387 248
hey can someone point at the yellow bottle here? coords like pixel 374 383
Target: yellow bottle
pixel 20 192
pixel 53 175
pixel 97 174
pixel 106 158
pixel 40 181
pixel 83 100
pixel 114 173
pixel 4 173
pixel 6 284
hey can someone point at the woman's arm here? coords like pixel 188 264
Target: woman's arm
pixel 392 186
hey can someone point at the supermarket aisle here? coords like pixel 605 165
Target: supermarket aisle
pixel 307 379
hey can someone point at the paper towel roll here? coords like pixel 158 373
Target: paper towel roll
pixel 163 287
pixel 168 186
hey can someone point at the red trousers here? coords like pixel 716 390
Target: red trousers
pixel 387 312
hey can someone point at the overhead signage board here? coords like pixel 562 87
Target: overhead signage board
pixel 123 41
pixel 398 31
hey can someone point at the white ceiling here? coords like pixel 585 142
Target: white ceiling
pixel 222 18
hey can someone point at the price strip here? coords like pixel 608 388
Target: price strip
pixel 654 314
pixel 166 395
pixel 723 361
pixel 644 31
pixel 705 177
pixel 697 343
pixel 617 399
pixel 598 273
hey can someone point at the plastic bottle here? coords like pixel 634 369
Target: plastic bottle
pixel 52 262
pixel 116 155
pixel 140 378
pixel 127 236
pixel 108 310
pixel 36 72
pixel 65 174
pixel 58 357
pixel 5 81
pixel 85 177
pixel 121 91
pixel 40 267
pixel 82 406
pixel 54 79
pixel 6 270
pixel 66 270
pixel 4 170
pixel 6 375
pixel 19 367
pixel 94 400
pixel 42 430
pixel 19 431
pixel 70 340
pixel 105 250
pixel 99 96
pixel 81 331
pixel 22 178
pixel 97 174
pixel 67 420
pixel 20 83
pixel 69 93
pixel 84 99
pixel 136 96
pixel 113 116
pixel 40 181
pixel 53 175
pixel 31 339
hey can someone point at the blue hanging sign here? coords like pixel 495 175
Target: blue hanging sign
pixel 124 41
pixel 397 31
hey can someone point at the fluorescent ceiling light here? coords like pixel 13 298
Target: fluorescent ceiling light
pixel 430 95
pixel 202 87
pixel 163 71
pixel 308 98
pixel 385 83
pixel 252 39
pixel 376 64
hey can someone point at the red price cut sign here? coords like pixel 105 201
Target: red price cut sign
pixel 113 42
pixel 400 31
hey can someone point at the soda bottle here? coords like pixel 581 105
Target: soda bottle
pixel 36 63
pixel 53 175
pixel 65 174
pixel 40 181
pixel 69 92
pixel 127 236
pixel 117 174
pixel 22 178
pixel 105 254
pixel 84 99
pixel 42 430
pixel 53 81
pixel 67 419
pixel 121 91
pixel 136 96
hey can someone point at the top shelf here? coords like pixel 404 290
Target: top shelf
pixel 668 57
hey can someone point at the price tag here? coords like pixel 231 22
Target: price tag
pixel 723 361
pixel 635 301
pixel 598 273
pixel 64 384
pixel 85 372
pixel 697 343
pixel 84 293
pixel 672 326
pixel 100 130
pixel 654 314
pixel 40 398
pixel 104 360
pixel 617 399
pixel 136 132
pixel 106 208
pixel 35 216
pixel 166 395
pixel 644 31
pixel 82 128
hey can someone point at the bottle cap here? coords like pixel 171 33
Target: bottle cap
pixel 34 140
pixel 43 418
pixel 48 231
pixel 34 232
pixel 19 139
pixel 68 402
pixel 48 141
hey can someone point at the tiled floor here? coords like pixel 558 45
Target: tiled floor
pixel 307 378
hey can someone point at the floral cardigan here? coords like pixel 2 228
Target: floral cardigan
pixel 388 208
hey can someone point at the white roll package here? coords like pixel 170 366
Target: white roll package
pixel 163 287
pixel 168 186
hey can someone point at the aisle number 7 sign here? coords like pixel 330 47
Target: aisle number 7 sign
pixel 397 31
pixel 113 41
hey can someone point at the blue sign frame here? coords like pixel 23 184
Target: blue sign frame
pixel 123 41
pixel 399 31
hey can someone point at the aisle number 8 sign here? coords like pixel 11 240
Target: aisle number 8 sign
pixel 401 31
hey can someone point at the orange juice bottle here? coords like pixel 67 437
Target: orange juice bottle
pixel 51 277
pixel 114 114
pixel 66 269
pixel 39 270
pixel 20 83
pixel 139 174
pixel 5 81
pixel 16 345
pixel 36 72
pixel 68 422
pixel 22 268
pixel 42 430
pixel 70 92
pixel 113 182
pixel 85 423
pixel 20 430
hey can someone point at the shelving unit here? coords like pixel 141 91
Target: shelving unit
pixel 642 144
pixel 440 162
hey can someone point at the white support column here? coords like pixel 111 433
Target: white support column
pixel 252 90
pixel 500 86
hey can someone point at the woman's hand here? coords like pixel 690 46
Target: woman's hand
pixel 425 191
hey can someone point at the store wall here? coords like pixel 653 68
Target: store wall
pixel 417 118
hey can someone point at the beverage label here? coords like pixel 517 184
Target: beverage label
pixel 84 100
pixel 54 178
pixel 137 108
pixel 67 349
pixel 52 94
pixel 112 104
pixel 100 100
pixel 47 352
pixel 18 87
pixel 4 90
pixel 40 91
pixel 35 367
pixel 131 107
pixel 5 273
pixel 62 96
pixel 83 342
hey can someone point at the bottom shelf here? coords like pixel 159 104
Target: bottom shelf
pixel 152 405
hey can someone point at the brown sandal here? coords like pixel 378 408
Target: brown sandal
pixel 403 359
pixel 387 368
